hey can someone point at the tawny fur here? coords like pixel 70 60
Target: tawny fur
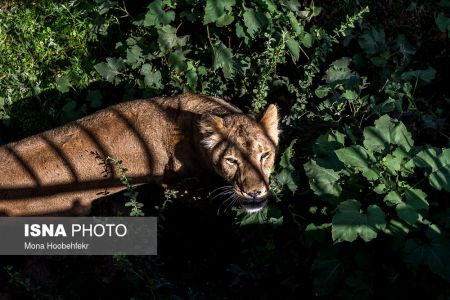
pixel 158 140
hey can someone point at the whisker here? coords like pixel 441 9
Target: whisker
pixel 230 198
pixel 221 188
pixel 230 205
pixel 224 193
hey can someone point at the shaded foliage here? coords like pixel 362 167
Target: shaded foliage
pixel 360 189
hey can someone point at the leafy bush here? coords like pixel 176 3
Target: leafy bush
pixel 360 190
pixel 44 46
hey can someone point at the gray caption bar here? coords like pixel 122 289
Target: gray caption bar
pixel 78 235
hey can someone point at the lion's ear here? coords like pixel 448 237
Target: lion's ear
pixel 269 122
pixel 213 130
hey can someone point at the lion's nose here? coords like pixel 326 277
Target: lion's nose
pixel 254 194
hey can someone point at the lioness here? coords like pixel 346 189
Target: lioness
pixel 158 140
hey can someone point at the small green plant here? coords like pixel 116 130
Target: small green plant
pixel 130 194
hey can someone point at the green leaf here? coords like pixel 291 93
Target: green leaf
pixel 385 133
pixel 358 157
pixel 349 222
pixel 94 97
pixel 286 177
pixel 296 26
pixel 338 70
pixel 292 5
pixel 224 20
pixel 270 6
pixel 168 39
pixel 324 182
pixel 396 161
pixel 110 69
pixel 294 48
pixel 433 253
pixel 327 274
pixel 134 55
pixel 307 40
pixel 241 33
pixel 324 148
pixel 223 58
pixel 354 156
pixel 380 188
pixel 322 91
pixel 254 21
pixel 69 106
pixel 372 41
pixel 426 75
pixel 370 174
pixel 437 164
pixel 152 77
pixel 327 143
pixel 268 215
pixel 416 198
pixel 392 198
pixel 375 218
pixel 287 156
pixel 443 22
pixel 414 206
pixel 191 75
pixel 63 84
pixel 157 16
pixel 350 95
pixel 178 61
pixel 215 9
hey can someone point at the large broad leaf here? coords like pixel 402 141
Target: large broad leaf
pixel 437 164
pixel 217 9
pixel 354 156
pixel 385 133
pixel 152 77
pixel 289 179
pixel 338 70
pixel 168 39
pixel 223 58
pixel 134 55
pixel 298 28
pixel 443 23
pixel 110 69
pixel 63 83
pixel 324 182
pixel 294 48
pixel 329 142
pixel 412 208
pixel 349 222
pixel 358 158
pixel 426 75
pixel 434 252
pixel 178 61
pixel 327 274
pixel 372 41
pixel 254 21
pixel 157 16
pixel 324 148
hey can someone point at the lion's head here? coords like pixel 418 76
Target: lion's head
pixel 242 150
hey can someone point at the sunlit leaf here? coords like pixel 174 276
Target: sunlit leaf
pixel 349 222
pixel 437 163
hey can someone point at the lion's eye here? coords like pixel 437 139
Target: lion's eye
pixel 265 155
pixel 231 160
